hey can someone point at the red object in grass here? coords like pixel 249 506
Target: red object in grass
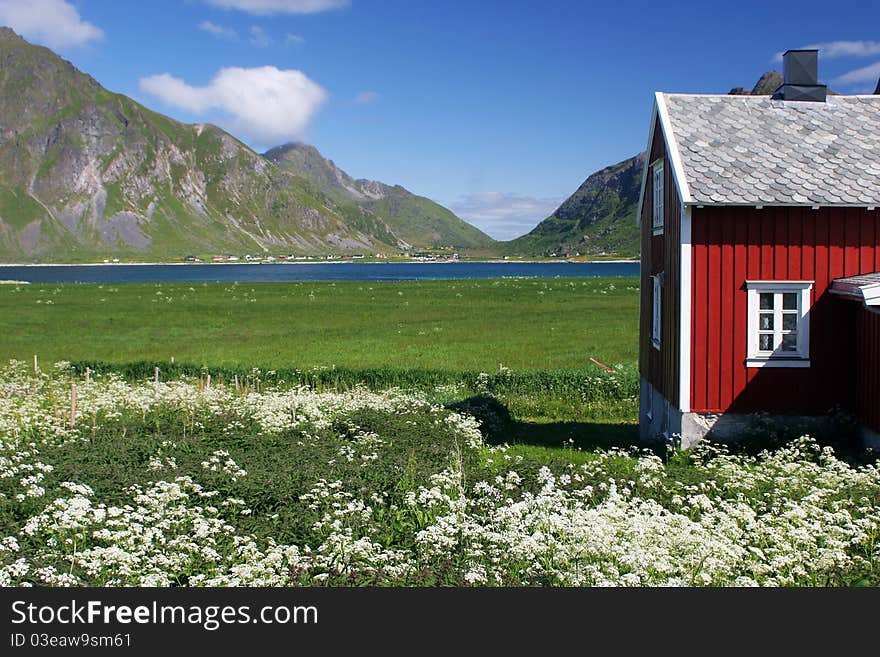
pixel 601 364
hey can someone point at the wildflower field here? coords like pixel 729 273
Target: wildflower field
pixel 186 482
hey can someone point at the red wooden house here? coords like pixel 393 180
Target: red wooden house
pixel 760 248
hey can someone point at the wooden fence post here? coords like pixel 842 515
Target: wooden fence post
pixel 72 422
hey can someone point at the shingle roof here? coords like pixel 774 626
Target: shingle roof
pixel 755 150
pixel 862 280
pixel 865 287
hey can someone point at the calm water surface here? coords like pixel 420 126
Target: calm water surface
pixel 336 271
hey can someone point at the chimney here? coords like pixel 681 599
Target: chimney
pixel 801 77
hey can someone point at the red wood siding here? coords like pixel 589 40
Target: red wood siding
pixel 661 253
pixel 735 244
pixel 868 368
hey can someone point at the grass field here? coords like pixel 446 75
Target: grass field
pixel 526 342
pixel 524 324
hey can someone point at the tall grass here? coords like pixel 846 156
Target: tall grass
pixel 580 385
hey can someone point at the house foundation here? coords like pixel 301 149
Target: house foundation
pixel 661 421
pixel 737 427
pixel 870 439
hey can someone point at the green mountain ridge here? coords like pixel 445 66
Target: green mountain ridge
pixel 598 219
pixel 86 173
pixel 416 220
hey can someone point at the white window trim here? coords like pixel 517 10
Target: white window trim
pixel 656 311
pixel 658 209
pixel 684 338
pixel 800 358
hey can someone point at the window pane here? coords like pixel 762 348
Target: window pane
pixel 789 322
pixel 766 323
pixel 766 342
pixel 766 300
pixel 789 301
pixel 789 342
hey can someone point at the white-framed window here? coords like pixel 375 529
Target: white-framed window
pixel 657 310
pixel 778 323
pixel 657 173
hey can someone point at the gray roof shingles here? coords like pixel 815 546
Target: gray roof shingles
pixel 865 287
pixel 864 280
pixel 755 150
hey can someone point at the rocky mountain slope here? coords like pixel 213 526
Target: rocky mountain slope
pixel 415 219
pixel 598 218
pixel 86 173
pixel 767 84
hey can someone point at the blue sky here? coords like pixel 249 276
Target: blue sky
pixel 498 110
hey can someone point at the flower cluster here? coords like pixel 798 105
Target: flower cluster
pixel 404 492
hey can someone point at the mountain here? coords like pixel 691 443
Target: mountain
pixel 600 217
pixel 766 85
pixel 86 173
pixel 414 219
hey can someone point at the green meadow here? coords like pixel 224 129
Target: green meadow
pixel 523 324
pixel 515 352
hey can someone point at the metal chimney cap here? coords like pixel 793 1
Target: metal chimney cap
pixel 800 76
pixel 800 50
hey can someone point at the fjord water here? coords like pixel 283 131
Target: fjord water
pixel 341 271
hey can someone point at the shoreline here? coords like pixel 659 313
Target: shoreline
pixel 310 262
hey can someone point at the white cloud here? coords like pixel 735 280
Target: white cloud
pixel 504 215
pixel 293 39
pixel 266 7
pixel 259 37
pixel 832 49
pixel 218 31
pixel 264 105
pixel 367 97
pixel 55 23
pixel 868 73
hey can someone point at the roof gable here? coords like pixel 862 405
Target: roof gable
pixel 755 150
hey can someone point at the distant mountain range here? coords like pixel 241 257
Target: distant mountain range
pixel 86 174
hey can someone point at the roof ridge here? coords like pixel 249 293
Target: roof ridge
pixel 834 97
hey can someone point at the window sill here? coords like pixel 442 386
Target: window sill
pixel 656 231
pixel 778 362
